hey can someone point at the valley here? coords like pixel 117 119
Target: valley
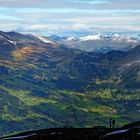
pixel 46 84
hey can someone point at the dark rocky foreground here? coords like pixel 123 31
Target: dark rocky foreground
pixel 98 133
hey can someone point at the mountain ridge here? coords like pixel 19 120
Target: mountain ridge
pixel 100 42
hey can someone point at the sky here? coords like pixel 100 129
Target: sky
pixel 45 17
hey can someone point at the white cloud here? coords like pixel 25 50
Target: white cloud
pixel 43 16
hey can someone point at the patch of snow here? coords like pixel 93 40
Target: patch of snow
pixel 13 42
pixel 91 37
pixel 117 132
pixel 19 137
pixel 44 39
pixel 58 133
pixel 116 35
pixel 53 133
pixel 70 39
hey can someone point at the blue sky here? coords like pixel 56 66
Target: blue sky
pixel 69 16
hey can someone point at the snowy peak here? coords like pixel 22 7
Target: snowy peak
pixel 110 37
pixel 70 39
pixel 91 37
pixel 101 42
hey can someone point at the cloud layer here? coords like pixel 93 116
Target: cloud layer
pixel 56 16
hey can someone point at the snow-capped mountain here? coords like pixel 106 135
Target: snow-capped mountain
pixel 101 42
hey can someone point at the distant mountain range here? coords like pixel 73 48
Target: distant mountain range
pixel 100 42
pixel 44 83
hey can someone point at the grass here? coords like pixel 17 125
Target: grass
pixel 6 115
pixel 61 107
pixel 24 96
pixel 22 53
